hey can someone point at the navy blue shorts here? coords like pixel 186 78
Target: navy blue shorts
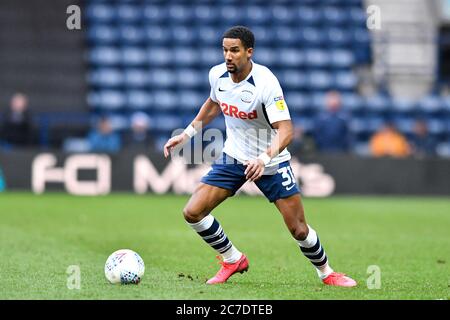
pixel 228 173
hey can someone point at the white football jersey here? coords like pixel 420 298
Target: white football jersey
pixel 249 108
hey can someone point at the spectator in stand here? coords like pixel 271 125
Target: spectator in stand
pixel 389 142
pixel 422 144
pixel 103 138
pixel 139 138
pixel 331 132
pixel 16 129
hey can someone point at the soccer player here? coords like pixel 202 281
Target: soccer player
pixel 258 128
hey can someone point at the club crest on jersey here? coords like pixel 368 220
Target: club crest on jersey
pixel 233 111
pixel 279 102
pixel 246 96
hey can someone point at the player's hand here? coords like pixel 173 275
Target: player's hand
pixel 254 170
pixel 172 143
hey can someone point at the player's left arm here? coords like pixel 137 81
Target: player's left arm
pixel 278 116
pixel 283 137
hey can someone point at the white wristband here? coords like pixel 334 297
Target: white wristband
pixel 190 131
pixel 265 158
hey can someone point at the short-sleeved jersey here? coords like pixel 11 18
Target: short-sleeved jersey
pixel 249 107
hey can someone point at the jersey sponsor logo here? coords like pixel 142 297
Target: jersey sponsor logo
pixel 233 111
pixel 279 102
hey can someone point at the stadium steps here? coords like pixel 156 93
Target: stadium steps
pixel 405 47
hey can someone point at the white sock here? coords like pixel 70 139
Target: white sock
pixel 312 242
pixel 209 228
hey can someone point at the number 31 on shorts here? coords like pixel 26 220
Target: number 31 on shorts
pixel 288 177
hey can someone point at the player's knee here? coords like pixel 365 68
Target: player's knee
pixel 299 232
pixel 191 216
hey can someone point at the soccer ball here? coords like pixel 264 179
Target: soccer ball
pixel 124 266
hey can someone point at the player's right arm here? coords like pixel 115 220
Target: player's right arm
pixel 209 110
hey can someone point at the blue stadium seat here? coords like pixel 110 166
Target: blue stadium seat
pixel 445 101
pixel 136 78
pixel 297 101
pixel 316 58
pixel 306 15
pixel 292 79
pixel 377 104
pixel 282 15
pixel 430 105
pixel 320 80
pixel 290 58
pixel 107 99
pixel 104 56
pixel 158 35
pixel 345 80
pixel 127 13
pixel 352 102
pixel 209 36
pixel 179 14
pixel 361 45
pixel 182 35
pixel 337 37
pixel 230 15
pixel 159 56
pixel 139 99
pixel 210 56
pixel 102 34
pixel 255 15
pixel 154 14
pixel 119 122
pixel 285 36
pixel 403 106
pixel 106 77
pixel 191 100
pixel 266 56
pixel 334 15
pixel 134 56
pixel 357 16
pixel 185 57
pixel 317 100
pixel 310 37
pixel 100 13
pixel 341 58
pixel 190 78
pixel 164 100
pixel 205 15
pixel 131 35
pixel 162 78
pixel 405 124
pixel 375 123
pixel 358 125
pixel 264 36
pixel 437 126
pixel 167 123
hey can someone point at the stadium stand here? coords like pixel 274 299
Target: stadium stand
pixel 154 57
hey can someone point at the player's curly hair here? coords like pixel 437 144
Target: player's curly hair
pixel 243 33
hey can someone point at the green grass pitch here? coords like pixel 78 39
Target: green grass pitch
pixel 41 236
